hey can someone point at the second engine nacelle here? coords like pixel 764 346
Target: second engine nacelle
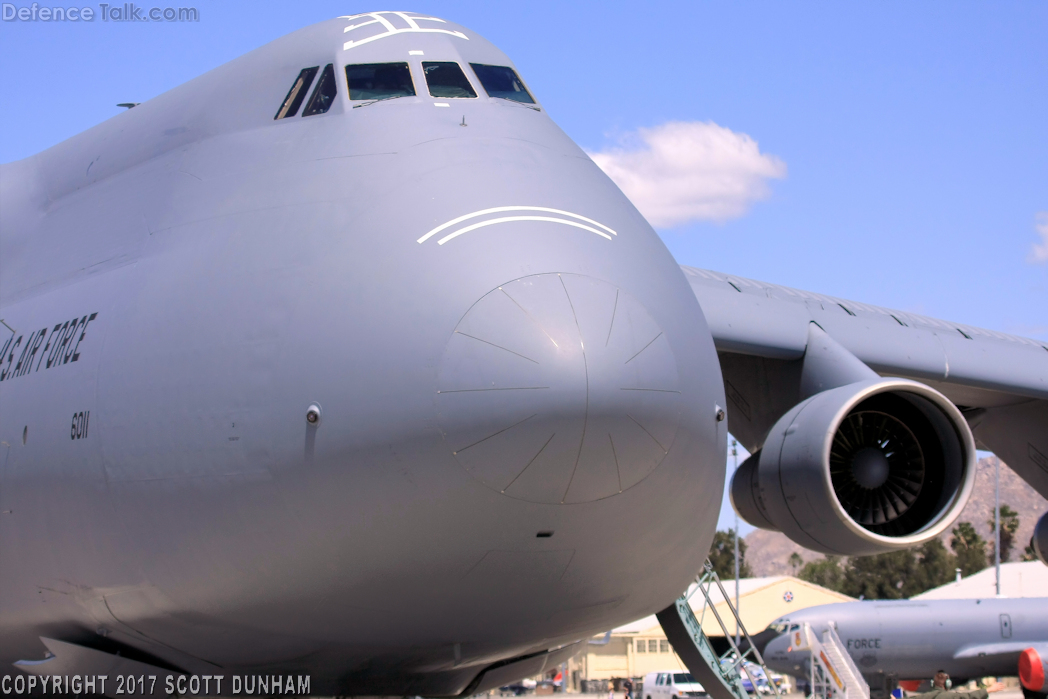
pixel 1033 669
pixel 866 468
pixel 1040 538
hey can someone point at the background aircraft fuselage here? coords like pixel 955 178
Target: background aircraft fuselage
pixel 912 639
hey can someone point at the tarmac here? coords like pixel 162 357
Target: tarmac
pixel 1010 693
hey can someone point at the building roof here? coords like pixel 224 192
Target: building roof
pixel 754 614
pixel 1029 579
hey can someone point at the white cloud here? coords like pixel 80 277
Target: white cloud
pixel 1039 251
pixel 686 171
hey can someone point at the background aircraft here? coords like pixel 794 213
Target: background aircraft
pixel 911 640
pixel 166 604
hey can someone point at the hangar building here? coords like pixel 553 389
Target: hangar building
pixel 641 646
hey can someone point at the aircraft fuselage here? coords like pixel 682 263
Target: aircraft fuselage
pixel 517 443
pixel 912 639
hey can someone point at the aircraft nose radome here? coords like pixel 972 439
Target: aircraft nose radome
pixel 558 388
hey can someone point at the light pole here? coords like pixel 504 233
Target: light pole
pixel 997 523
pixel 735 456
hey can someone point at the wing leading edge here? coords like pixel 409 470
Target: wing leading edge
pixel 999 381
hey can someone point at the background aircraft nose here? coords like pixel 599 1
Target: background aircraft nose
pixel 558 388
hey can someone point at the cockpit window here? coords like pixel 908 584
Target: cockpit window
pixel 502 81
pixel 297 93
pixel 323 94
pixel 446 79
pixel 376 81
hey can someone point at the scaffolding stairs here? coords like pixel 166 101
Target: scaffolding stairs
pixel 721 675
pixel 832 673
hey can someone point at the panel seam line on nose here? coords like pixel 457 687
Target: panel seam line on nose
pixel 496 434
pixel 643 348
pixel 611 325
pixel 664 449
pixel 528 465
pixel 486 342
pixel 585 369
pixel 532 319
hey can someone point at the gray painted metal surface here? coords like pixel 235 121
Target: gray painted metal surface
pixel 761 331
pixel 912 639
pixel 769 320
pixel 797 494
pixel 514 388
pixel 517 391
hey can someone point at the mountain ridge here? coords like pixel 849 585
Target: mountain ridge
pixel 768 553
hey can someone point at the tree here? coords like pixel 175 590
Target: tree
pixel 722 556
pixel 796 562
pixel 936 567
pixel 826 572
pixel 1009 525
pixel 1029 554
pixel 885 576
pixel 969 547
pixel 893 575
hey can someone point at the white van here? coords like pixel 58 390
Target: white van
pixel 671 683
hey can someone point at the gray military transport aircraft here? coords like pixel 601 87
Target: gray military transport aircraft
pixel 343 360
pixel 912 639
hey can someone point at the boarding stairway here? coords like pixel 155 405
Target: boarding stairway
pixel 832 673
pixel 721 675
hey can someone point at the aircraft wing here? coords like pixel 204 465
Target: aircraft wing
pixel 987 649
pixel 761 331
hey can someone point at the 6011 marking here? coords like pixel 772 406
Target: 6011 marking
pixel 80 423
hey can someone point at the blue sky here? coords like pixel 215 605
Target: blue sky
pixel 911 138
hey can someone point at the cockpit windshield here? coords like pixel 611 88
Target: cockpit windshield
pixel 502 81
pixel 375 81
pixel 323 94
pixel 297 93
pixel 446 79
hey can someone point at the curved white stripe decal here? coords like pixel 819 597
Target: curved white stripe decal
pixel 501 209
pixel 506 219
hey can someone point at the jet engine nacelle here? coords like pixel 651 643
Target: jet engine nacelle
pixel 1033 668
pixel 865 468
pixel 1040 538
